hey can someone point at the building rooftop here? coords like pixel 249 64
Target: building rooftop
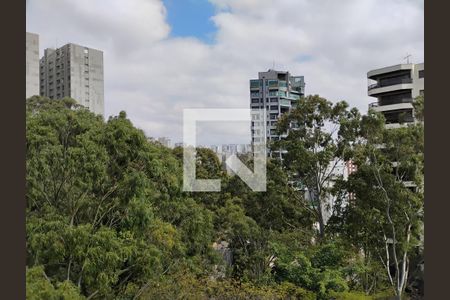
pixel 389 69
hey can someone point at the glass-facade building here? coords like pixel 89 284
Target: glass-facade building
pixel 277 92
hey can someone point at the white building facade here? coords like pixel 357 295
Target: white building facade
pixel 395 88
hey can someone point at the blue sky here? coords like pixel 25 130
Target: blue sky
pixel 191 18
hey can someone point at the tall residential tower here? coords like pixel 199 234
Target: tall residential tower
pixel 277 92
pixel 73 71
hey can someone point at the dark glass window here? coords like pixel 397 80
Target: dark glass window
pixel 421 73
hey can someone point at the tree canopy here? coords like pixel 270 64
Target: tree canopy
pixel 107 217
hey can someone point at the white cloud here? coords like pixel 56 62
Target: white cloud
pixel 153 76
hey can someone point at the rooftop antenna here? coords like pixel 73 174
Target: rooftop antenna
pixel 407 58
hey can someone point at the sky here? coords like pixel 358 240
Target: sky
pixel 161 56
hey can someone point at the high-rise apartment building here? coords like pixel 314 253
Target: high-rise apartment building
pixel 277 92
pixel 73 71
pixel 395 88
pixel 32 64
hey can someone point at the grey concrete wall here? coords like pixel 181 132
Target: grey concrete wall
pixel 32 64
pixel 86 73
pixel 74 71
pixel 418 83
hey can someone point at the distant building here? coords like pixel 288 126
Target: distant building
pixel 32 64
pixel 244 148
pixel 230 149
pixel 73 71
pixel 337 169
pixel 216 149
pixel 180 144
pixel 395 88
pixel 277 92
pixel 165 141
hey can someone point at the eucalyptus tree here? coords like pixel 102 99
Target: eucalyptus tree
pixel 319 136
pixel 385 212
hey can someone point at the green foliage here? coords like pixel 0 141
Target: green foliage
pixel 186 286
pixel 385 216
pixel 39 286
pixel 94 190
pixel 107 218
pixel 419 107
pixel 320 134
pixel 349 296
pixel 320 268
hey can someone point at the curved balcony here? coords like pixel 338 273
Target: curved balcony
pixel 389 85
pixel 389 82
pixel 393 107
pixel 383 101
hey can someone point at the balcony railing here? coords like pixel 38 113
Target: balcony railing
pixel 373 86
pixel 389 82
pixel 285 102
pixel 395 101
pixel 390 102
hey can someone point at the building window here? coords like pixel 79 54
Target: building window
pixel 422 92
pixel 421 73
pixel 254 83
pixel 272 83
